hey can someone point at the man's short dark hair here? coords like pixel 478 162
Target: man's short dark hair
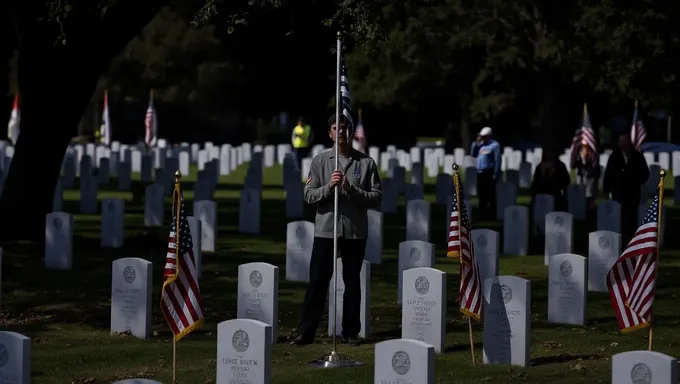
pixel 301 120
pixel 343 119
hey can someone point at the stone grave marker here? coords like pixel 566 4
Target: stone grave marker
pixel 506 196
pixel 153 206
pixel 364 313
pixel 559 229
pixel 423 315
pixel 206 212
pixel 516 230
pixel 59 241
pixel 604 248
pixel 609 216
pixel 196 237
pixel 15 358
pixel 418 220
pixel 299 242
pixel 374 241
pixel 567 277
pixel 258 294
pixel 131 287
pixel 576 201
pixel 244 351
pixel 413 254
pixel 249 212
pixel 543 204
pixel 88 195
pixel 507 320
pixel 644 367
pixel 112 225
pixel 404 361
pixel 486 243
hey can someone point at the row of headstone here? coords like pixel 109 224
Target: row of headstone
pixel 244 355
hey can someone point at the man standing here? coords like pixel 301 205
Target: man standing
pixel 360 190
pixel 488 154
pixel 301 138
pixel 626 173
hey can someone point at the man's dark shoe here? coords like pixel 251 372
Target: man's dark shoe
pixel 352 341
pixel 300 340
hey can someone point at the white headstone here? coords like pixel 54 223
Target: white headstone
pixel 131 287
pixel 244 352
pixel 486 243
pixel 413 254
pixel 112 226
pixel 559 229
pixel 364 312
pixel 609 216
pixel 418 220
pixel 206 212
pixel 423 315
pixel 15 358
pixel 153 206
pixel 644 367
pixel 567 276
pixel 258 294
pixel 604 248
pixel 507 320
pixel 249 212
pixel 403 361
pixel 299 243
pixel 374 241
pixel 543 204
pixel 59 241
pixel 516 230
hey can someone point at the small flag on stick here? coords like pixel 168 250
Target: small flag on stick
pixel 632 278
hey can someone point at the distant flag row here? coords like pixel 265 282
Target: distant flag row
pixel 103 135
pixel 585 143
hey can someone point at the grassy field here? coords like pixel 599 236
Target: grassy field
pixel 67 314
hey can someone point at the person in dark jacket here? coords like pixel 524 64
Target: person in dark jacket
pixel 626 173
pixel 551 178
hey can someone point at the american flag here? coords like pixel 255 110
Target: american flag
pixel 181 301
pixel 105 128
pixel 631 281
pixel 13 128
pixel 638 133
pixel 359 135
pixel 461 247
pixel 584 138
pixel 344 95
pixel 150 123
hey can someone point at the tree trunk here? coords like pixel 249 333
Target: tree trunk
pixel 56 83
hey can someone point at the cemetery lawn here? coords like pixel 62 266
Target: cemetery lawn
pixel 67 314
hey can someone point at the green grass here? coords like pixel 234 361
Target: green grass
pixel 67 314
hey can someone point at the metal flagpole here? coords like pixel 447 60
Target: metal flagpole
pixel 335 359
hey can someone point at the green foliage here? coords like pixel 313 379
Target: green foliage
pixel 182 63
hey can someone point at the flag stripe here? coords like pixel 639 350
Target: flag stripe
pixel 585 136
pixel 181 301
pixel 460 246
pixel 631 280
pixel 638 133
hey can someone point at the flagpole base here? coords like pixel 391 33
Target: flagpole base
pixel 335 360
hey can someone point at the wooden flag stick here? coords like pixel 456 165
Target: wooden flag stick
pixel 662 175
pixel 176 204
pixel 456 183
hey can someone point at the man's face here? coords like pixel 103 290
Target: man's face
pixel 624 143
pixel 342 133
pixel 486 138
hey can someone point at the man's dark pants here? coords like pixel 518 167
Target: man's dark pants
pixel 320 275
pixel 486 190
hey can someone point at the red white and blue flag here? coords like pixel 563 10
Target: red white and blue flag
pixel 151 124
